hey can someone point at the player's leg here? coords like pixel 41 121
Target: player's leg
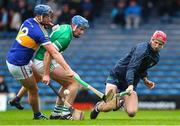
pixel 59 75
pixel 105 106
pixel 30 85
pixel 108 106
pixel 111 84
pixel 62 111
pixel 16 100
pixel 33 96
pixel 23 91
pixel 131 104
pixel 36 72
pixel 26 78
pixel 73 88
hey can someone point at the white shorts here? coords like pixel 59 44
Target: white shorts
pixel 39 65
pixel 20 72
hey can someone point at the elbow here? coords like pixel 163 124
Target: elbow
pixel 53 53
pixel 51 49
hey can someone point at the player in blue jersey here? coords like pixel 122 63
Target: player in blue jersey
pixel 31 35
pixel 128 71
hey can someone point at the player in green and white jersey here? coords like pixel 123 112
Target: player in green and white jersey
pixel 61 38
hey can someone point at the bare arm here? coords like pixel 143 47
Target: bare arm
pixel 148 83
pixel 47 61
pixel 59 58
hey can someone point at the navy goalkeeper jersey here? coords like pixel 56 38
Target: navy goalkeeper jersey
pixel 133 66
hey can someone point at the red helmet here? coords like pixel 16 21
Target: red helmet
pixel 160 35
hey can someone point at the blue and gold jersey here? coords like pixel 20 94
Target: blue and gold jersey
pixel 30 36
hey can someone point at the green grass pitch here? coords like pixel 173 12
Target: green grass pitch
pixel 143 118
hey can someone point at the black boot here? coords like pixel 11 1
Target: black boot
pixel 16 104
pixel 95 111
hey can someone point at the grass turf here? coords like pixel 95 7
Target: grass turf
pixel 143 117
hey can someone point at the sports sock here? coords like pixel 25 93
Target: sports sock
pixel 96 108
pixel 17 98
pixel 61 109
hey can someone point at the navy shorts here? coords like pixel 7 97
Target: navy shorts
pixel 113 79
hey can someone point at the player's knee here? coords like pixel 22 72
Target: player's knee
pixel 131 113
pixel 33 93
pixel 33 89
pixel 75 85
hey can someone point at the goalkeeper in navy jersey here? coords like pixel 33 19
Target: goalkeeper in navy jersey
pixel 127 73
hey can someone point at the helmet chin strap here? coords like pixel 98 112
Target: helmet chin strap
pixel 41 18
pixel 38 19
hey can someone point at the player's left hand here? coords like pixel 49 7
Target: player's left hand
pixel 46 79
pixel 149 83
pixel 130 89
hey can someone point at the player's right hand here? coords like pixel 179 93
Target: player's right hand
pixel 149 84
pixel 130 89
pixel 70 73
pixel 46 79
